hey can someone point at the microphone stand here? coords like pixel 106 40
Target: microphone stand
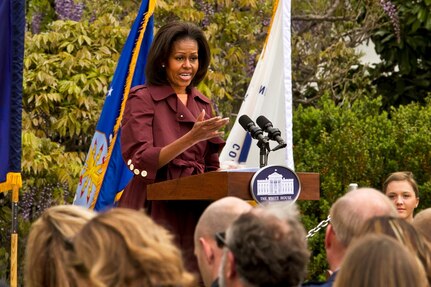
pixel 264 151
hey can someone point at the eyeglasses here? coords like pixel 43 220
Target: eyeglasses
pixel 220 238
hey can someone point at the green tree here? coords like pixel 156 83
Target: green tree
pixel 67 70
pixel 324 59
pixel 344 126
pixel 402 41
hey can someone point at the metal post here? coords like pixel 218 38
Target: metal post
pixel 14 239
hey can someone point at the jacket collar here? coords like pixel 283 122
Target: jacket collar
pixel 160 93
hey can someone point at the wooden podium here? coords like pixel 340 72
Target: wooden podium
pixel 217 184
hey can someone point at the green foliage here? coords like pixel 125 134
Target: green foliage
pixel 5 216
pixel 358 144
pixel 40 13
pixel 67 72
pixel 5 239
pixel 405 74
pixel 411 135
pixel 46 162
pixel 324 59
pixel 119 9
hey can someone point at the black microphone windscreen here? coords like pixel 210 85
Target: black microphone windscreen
pixel 244 121
pixel 262 121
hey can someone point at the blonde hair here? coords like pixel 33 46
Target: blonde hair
pixel 422 222
pixel 124 247
pixel 380 261
pixel 45 253
pixel 403 232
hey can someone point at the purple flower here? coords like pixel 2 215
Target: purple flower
pixel 68 10
pixel 36 21
pixel 35 200
pixel 391 10
pixel 208 10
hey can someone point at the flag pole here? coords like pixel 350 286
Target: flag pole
pixel 14 238
pixel 12 31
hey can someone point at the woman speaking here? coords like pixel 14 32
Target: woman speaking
pixel 169 131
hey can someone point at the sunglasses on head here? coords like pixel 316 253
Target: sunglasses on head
pixel 220 238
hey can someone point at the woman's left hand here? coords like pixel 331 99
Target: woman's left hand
pixel 207 129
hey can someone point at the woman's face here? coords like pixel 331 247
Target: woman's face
pixel 404 197
pixel 182 64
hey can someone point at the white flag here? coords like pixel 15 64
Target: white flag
pixel 269 94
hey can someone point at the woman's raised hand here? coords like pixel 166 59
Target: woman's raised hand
pixel 207 129
pixel 202 130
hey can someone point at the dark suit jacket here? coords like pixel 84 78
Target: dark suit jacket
pixel 215 283
pixel 327 283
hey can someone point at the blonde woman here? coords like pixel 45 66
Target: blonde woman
pixel 405 233
pixel 380 261
pixel 124 247
pixel 46 249
pixel 422 223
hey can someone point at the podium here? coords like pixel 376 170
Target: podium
pixel 218 184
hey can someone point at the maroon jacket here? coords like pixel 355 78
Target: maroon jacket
pixel 153 118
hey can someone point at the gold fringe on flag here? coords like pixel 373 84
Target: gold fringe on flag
pixel 13 179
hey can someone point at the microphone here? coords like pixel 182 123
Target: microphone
pixel 273 133
pixel 254 131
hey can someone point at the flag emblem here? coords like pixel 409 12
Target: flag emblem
pixel 92 170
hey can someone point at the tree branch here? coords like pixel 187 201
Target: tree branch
pixel 318 18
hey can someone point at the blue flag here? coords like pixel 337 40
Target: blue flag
pixel 12 25
pixel 105 174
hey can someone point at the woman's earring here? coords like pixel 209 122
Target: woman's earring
pixel 163 65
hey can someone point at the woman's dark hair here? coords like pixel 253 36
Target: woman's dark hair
pixel 162 46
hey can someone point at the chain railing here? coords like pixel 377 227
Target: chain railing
pixel 322 224
pixel 325 222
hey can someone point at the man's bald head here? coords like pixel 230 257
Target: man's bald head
pixel 219 215
pixel 216 218
pixel 352 210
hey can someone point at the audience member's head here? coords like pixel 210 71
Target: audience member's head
pixel 348 215
pixel 265 247
pixel 46 249
pixel 405 233
pixel 380 261
pixel 215 219
pixel 422 223
pixel 402 189
pixel 124 247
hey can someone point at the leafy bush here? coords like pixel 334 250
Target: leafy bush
pixel 358 144
pixel 67 70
